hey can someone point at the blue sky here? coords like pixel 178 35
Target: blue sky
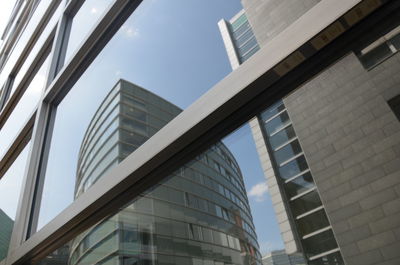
pixel 174 49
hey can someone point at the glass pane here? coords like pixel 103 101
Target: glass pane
pixel 305 203
pixel 282 137
pixel 331 259
pixel 287 152
pixel 376 55
pixel 299 184
pixel 293 168
pixel 396 41
pixel 141 80
pixel 24 109
pixel 84 21
pixel 26 34
pixel 33 53
pixel 273 110
pixel 10 190
pixel 276 124
pixel 312 223
pixel 319 243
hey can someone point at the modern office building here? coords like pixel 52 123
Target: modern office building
pixel 321 94
pixel 280 257
pixel 327 146
pixel 239 39
pixel 198 215
pixel 6 225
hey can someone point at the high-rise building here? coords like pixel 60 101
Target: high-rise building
pixel 239 39
pixel 199 215
pixel 316 80
pixel 325 147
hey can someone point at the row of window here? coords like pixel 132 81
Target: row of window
pixel 190 200
pixel 297 182
pixel 210 183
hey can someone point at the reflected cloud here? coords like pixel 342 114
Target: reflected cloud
pixel 130 32
pixel 258 191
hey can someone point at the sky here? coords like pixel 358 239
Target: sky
pixel 173 49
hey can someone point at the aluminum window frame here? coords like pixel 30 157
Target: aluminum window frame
pixel 171 146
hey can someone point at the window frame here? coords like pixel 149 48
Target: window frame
pixel 259 81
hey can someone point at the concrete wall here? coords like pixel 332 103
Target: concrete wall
pixel 269 17
pixel 351 139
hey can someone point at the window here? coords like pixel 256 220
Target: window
pixel 381 49
pixel 394 104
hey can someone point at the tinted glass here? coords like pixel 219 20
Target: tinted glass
pixel 24 109
pixel 293 168
pixel 287 152
pixel 10 190
pixel 319 243
pixel 276 124
pixel 376 55
pixel 396 41
pixel 299 184
pixel 305 203
pixel 273 110
pixel 334 259
pixel 282 137
pixel 312 223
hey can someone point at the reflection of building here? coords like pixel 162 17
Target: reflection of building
pixel 326 149
pixel 279 257
pixel 200 215
pixel 6 226
pixel 239 39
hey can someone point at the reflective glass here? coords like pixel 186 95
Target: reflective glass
pixel 83 22
pixel 305 203
pixel 195 216
pixel 274 125
pixel 319 243
pixel 140 73
pixel 299 184
pixel 272 111
pixel 10 190
pixel 24 109
pixel 396 41
pixel 27 63
pixel 248 45
pixel 287 152
pixel 376 55
pixel 26 34
pixel 293 167
pixel 282 137
pixel 312 222
pixel 334 259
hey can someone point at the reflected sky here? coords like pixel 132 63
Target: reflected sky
pixel 173 49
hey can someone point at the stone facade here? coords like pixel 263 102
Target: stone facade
pixel 351 139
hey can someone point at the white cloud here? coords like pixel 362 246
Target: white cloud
pixel 259 191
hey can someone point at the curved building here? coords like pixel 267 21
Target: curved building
pixel 200 215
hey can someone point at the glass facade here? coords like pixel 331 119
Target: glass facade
pixel 200 215
pixel 126 139
pixel 297 185
pixel 243 37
